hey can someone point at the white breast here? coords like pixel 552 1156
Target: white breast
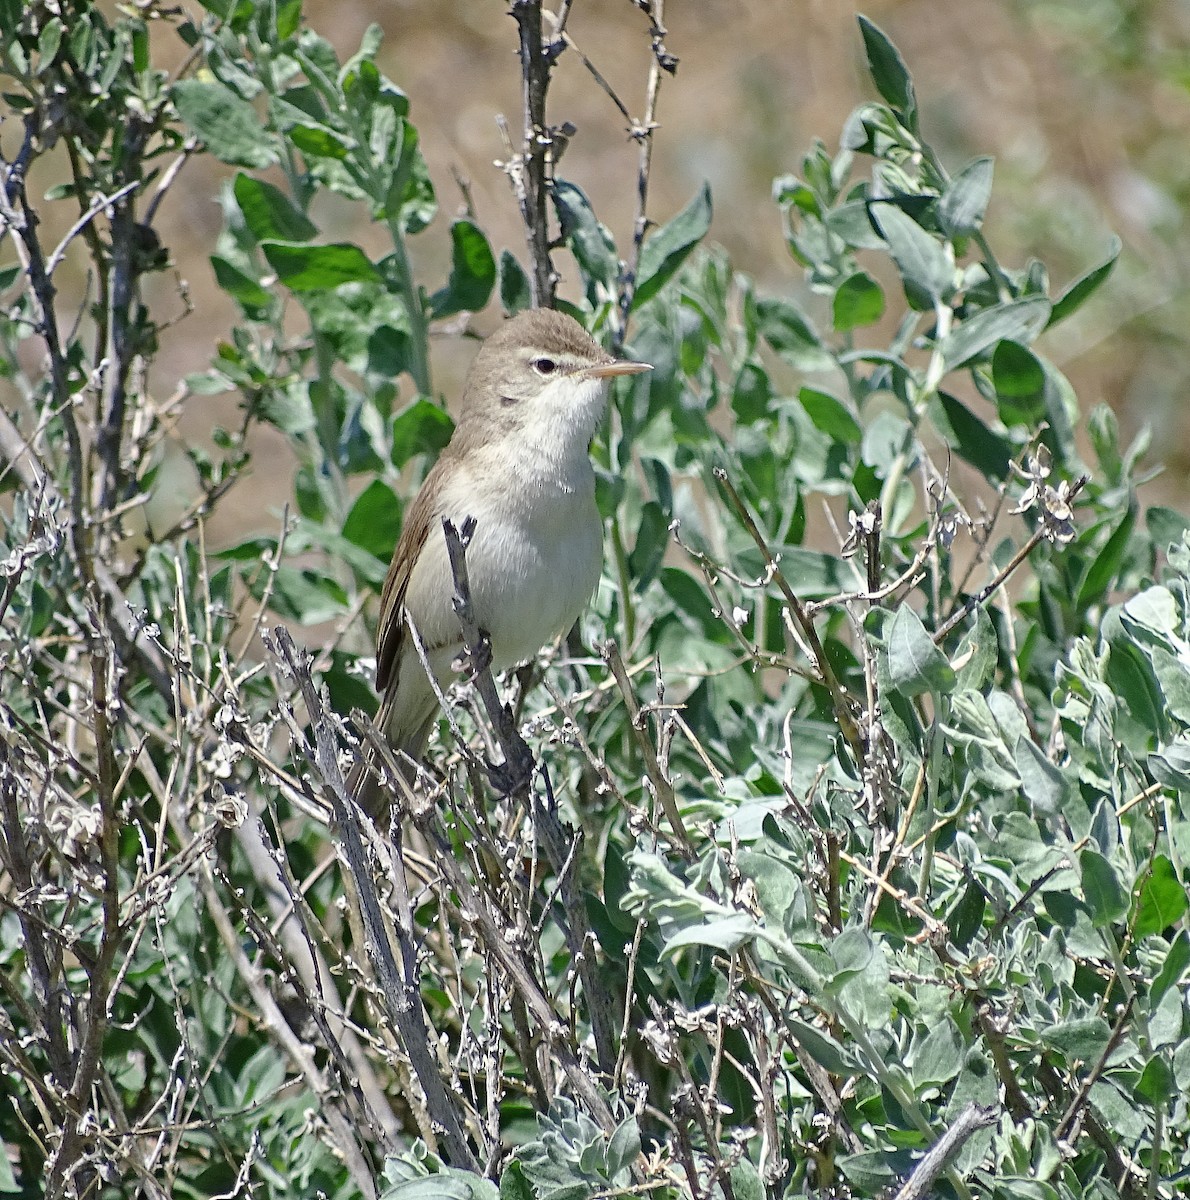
pixel 533 562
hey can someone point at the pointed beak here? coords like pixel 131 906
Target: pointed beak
pixel 607 370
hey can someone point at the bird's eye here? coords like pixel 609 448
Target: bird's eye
pixel 544 366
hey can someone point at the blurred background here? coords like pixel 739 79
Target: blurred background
pixel 1084 104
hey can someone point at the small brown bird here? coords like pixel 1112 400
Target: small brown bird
pixel 519 464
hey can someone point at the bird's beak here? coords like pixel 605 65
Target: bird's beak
pixel 607 370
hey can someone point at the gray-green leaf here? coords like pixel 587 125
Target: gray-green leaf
pixel 227 124
pixel 667 248
pixel 915 664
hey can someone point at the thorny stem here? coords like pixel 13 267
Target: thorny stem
pixel 642 131
pixel 661 784
pixel 980 597
pixel 839 699
pixel 399 986
pixel 534 177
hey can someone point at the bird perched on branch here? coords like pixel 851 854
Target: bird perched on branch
pixel 519 464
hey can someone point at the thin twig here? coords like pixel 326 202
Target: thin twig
pixel 839 699
pixel 1066 1125
pixel 642 132
pixel 660 781
pixel 1019 557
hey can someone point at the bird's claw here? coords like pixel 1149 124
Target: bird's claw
pixel 515 774
pixel 472 663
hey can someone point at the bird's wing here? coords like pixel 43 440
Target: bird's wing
pixel 393 627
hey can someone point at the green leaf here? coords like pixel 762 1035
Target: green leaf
pixel 1170 765
pixel 961 209
pixel 374 521
pixel 436 1187
pixel 868 1171
pixel 926 264
pixel 268 212
pixel 318 268
pixel 1043 783
pixel 727 933
pixel 513 1184
pixel 1019 380
pixel 228 125
pixel 746 1183
pixel 1062 413
pixel 516 294
pixel 254 299
pixel 389 351
pixel 423 428
pixel 858 301
pixel 915 664
pixel 1161 899
pixel 938 1058
pixel 791 335
pixel 1102 892
pixel 990 453
pixel 1173 969
pixel 287 408
pixel 889 72
pixel 1084 287
pixel 289 15
pixel 1156 609
pixel 1166 1020
pixel 821 1047
pixel 1017 320
pixel 965 919
pixel 1165 526
pixel 652 540
pixel 405 193
pixel 1081 1039
pixel 1157 1084
pixel 1173 681
pixel 667 248
pixel 48 42
pixel 980 649
pixel 817 574
pixel 830 415
pixel 308 596
pixel 472 272
pixel 777 885
pixel 319 142
pixel 589 240
pixel 1104 569
pixel 751 392
pixel 623 1147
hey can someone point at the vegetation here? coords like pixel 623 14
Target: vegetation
pixel 854 857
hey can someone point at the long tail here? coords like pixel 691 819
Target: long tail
pixel 363 780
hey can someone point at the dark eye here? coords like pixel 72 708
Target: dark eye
pixel 544 366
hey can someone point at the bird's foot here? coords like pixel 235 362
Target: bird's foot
pixel 473 663
pixel 515 774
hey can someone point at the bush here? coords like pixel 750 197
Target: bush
pixel 853 855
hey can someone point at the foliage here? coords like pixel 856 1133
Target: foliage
pixel 863 830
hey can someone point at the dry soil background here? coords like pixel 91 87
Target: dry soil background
pixel 1083 103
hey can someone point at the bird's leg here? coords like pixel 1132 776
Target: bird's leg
pixel 516 772
pixel 472 661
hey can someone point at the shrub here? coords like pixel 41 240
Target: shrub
pixel 853 854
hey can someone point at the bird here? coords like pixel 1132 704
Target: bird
pixel 519 464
